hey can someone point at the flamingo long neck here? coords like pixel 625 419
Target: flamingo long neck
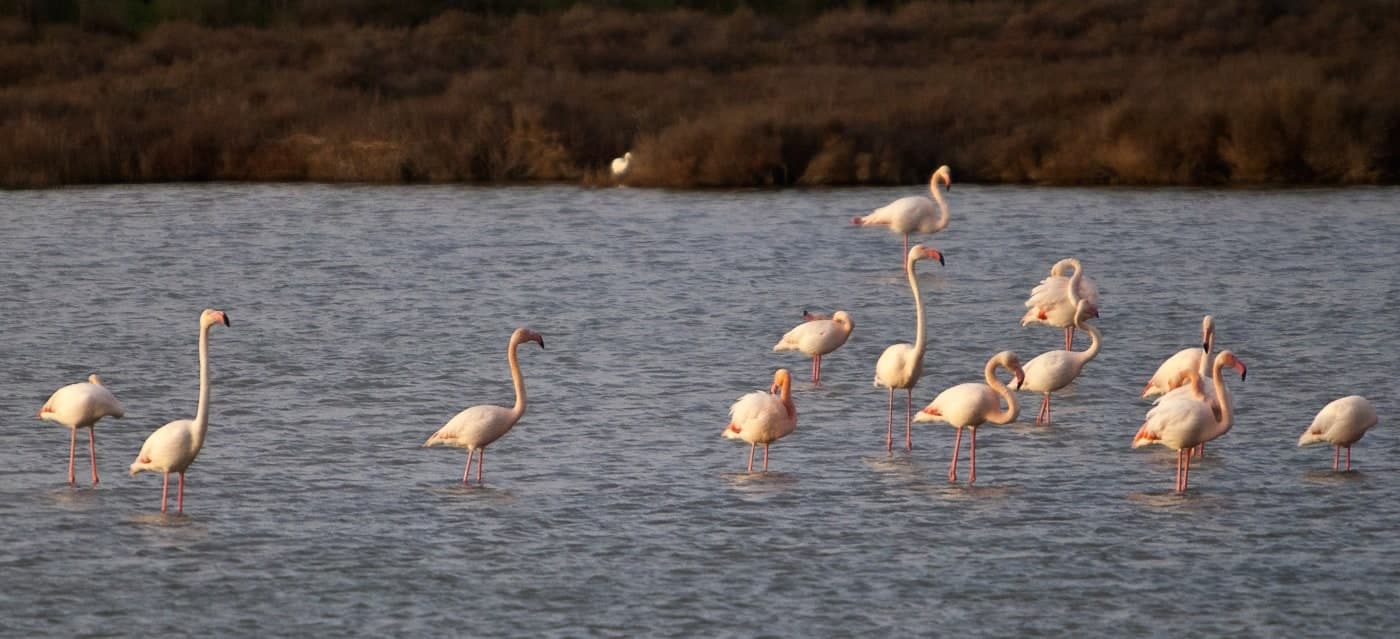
pixel 942 204
pixel 1013 410
pixel 1227 410
pixel 785 394
pixel 1205 356
pixel 1073 292
pixel 919 336
pixel 201 414
pixel 517 378
pixel 1093 351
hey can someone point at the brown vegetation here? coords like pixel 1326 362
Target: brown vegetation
pixel 1096 92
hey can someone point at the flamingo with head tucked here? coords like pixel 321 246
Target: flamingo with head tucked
pixel 1341 423
pixel 621 166
pixel 476 427
pixel 972 404
pixel 901 365
pixel 763 418
pixel 817 337
pixel 1052 370
pixel 916 213
pixel 1182 421
pixel 81 405
pixel 1172 372
pixel 174 446
pixel 1055 299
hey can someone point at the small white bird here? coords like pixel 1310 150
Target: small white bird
pixel 1053 370
pixel 817 337
pixel 620 166
pixel 80 406
pixel 174 446
pixel 1341 423
pixel 763 418
pixel 478 426
pixel 1053 301
pixel 1172 372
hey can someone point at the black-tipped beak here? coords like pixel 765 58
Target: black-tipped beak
pixel 541 343
pixel 226 320
pixel 1205 346
pixel 940 260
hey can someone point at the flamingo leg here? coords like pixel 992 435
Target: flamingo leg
pixel 92 453
pixel 751 449
pixel 180 495
pixel 1336 459
pixel 1043 417
pixel 1348 458
pixel 1069 338
pixel 468 472
pixel 889 425
pixel 480 464
pixel 164 490
pixel 909 419
pixel 906 244
pixel 765 458
pixel 1186 473
pixel 972 474
pixel 816 368
pixel 957 447
pixel 72 452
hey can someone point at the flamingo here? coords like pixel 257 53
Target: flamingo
pixel 476 427
pixel 1054 300
pixel 620 166
pixel 1341 423
pixel 1172 372
pixel 1053 370
pixel 916 213
pixel 763 418
pixel 81 405
pixel 174 446
pixel 972 404
pixel 816 338
pixel 1185 420
pixel 901 365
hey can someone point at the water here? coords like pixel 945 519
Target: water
pixel 364 317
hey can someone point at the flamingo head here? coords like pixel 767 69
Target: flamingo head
pixel 1010 361
pixel 1063 265
pixel 843 319
pixel 523 335
pixel 211 317
pixel 782 380
pixel 858 220
pixel 809 316
pixel 1227 358
pixel 1084 312
pixel 1208 333
pixel 946 174
pixel 921 252
pixel 94 379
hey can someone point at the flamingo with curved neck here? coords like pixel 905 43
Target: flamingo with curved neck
pixel 972 404
pixel 476 427
pixel 763 418
pixel 1185 420
pixel 915 213
pixel 81 405
pixel 1052 370
pixel 901 365
pixel 1054 301
pixel 174 446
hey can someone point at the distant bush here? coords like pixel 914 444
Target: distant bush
pixel 812 93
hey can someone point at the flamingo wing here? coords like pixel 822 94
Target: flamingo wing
pixel 963 405
pixel 474 427
pixel 1341 422
pixel 170 447
pixel 759 417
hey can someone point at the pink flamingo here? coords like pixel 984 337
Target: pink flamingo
pixel 476 427
pixel 77 406
pixel 1055 299
pixel 1053 370
pixel 763 418
pixel 1172 372
pixel 1341 423
pixel 817 337
pixel 174 446
pixel 916 213
pixel 972 404
pixel 901 365
pixel 1183 421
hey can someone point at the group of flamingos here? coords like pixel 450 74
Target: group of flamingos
pixel 1188 414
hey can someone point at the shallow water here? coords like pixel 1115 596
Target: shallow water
pixel 365 317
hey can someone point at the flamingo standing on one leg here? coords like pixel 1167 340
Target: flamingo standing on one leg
pixel 1055 299
pixel 476 427
pixel 816 338
pixel 1053 370
pixel 972 404
pixel 174 446
pixel 1181 421
pixel 1341 423
pixel 77 406
pixel 916 213
pixel 901 365
pixel 763 418
pixel 1172 372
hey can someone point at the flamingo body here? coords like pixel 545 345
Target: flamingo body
pixel 972 404
pixel 817 337
pixel 1055 299
pixel 763 417
pixel 1052 370
pixel 81 405
pixel 620 166
pixel 1172 373
pixel 1341 423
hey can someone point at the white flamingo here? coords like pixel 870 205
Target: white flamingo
pixel 817 337
pixel 1053 370
pixel 476 427
pixel 916 213
pixel 1185 420
pixel 80 406
pixel 901 365
pixel 1341 423
pixel 1172 372
pixel 972 404
pixel 763 418
pixel 1055 299
pixel 174 446
pixel 620 166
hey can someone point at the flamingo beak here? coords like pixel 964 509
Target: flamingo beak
pixel 225 318
pixel 1239 366
pixel 857 221
pixel 1020 377
pixel 540 340
pixel 935 253
pixel 1205 346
